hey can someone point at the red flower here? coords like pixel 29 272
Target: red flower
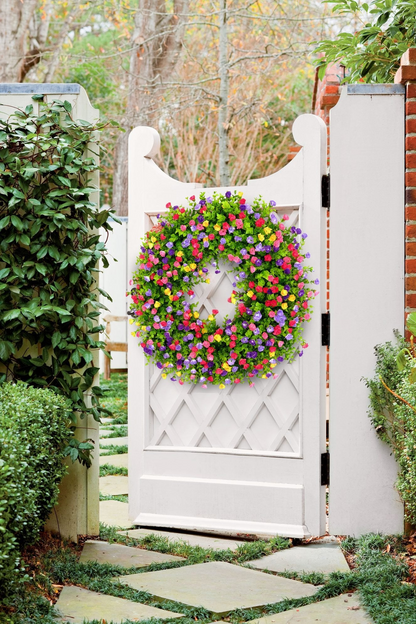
pixel 268 258
pixel 192 198
pixel 215 312
pixel 242 308
pixel 168 205
pixel 231 216
pixel 176 216
pixel 242 215
pixel 260 222
pixel 242 200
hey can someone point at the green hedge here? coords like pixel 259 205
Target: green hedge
pixel 34 433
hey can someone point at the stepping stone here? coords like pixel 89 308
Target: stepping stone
pixel 344 609
pixel 119 461
pixel 219 587
pixel 113 441
pixel 323 558
pixel 206 541
pixel 114 513
pixel 114 485
pixel 125 556
pixel 77 605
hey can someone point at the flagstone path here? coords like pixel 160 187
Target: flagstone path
pixel 217 586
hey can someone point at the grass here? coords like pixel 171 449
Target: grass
pixel 114 449
pixel 107 470
pixel 115 397
pixel 122 498
pixel 379 577
pixel 116 432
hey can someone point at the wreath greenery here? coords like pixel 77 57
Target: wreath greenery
pixel 272 290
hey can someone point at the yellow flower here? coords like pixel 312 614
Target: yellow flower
pixel 186 268
pixel 217 227
pixel 217 337
pixel 222 386
pixel 283 293
pixel 250 293
pixel 133 333
pixel 196 314
pixel 143 327
pixel 267 230
pixel 284 306
pixel 260 237
pixel 180 253
pixel 226 366
pixel 179 373
pixel 263 376
pixel 164 375
pixel 193 266
pixel 240 193
pixel 131 321
pixel 167 291
pixel 292 298
pixel 137 323
pixel 272 365
pixel 210 318
pixel 204 330
pixel 205 223
pixel 157 304
pixel 151 245
pixel 272 238
pixel 171 297
pixel 153 239
pixel 207 281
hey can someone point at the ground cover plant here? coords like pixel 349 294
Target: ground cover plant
pixel 380 575
pixel 49 250
pixel 34 434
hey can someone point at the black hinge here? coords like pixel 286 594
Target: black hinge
pixel 326 191
pixel 326 327
pixel 325 468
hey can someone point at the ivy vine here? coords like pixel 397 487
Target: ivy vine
pixel 49 252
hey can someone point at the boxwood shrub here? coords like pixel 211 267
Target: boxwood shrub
pixel 34 434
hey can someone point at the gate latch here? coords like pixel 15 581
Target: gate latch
pixel 326 326
pixel 325 468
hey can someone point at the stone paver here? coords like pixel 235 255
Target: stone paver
pixel 344 609
pixel 115 486
pixel 120 461
pixel 114 513
pixel 323 558
pixel 125 556
pixel 206 541
pixel 218 586
pixel 113 441
pixel 76 605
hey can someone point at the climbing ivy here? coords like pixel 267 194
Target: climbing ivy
pixel 49 251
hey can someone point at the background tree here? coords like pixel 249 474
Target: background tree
pixel 384 30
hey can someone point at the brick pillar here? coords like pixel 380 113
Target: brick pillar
pixel 406 75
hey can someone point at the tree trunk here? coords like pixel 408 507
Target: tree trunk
pixel 224 155
pixel 157 43
pixel 15 17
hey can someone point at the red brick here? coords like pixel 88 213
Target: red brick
pixel 411 90
pixel 410 161
pixel 410 266
pixel 332 89
pixel 411 178
pixel 410 196
pixel 410 301
pixel 411 283
pixel 411 143
pixel 329 100
pixel 410 126
pixel 411 213
pixel 410 249
pixel 410 108
pixel 411 231
pixel 409 57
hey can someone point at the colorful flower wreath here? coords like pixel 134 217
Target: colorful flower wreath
pixel 272 292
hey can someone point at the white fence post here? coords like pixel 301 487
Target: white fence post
pixel 366 298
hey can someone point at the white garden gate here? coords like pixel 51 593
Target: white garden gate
pixel 242 459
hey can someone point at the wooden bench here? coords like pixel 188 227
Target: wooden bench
pixel 112 346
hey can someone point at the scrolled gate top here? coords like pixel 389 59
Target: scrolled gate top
pixel 145 141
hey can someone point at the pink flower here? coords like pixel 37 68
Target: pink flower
pixel 285 217
pixel 183 228
pixel 252 326
pixel 239 223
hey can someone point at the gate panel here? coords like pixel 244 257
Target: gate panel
pixel 241 459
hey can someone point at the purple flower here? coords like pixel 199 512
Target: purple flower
pixel 257 316
pixel 317 281
pixel 272 203
pixel 307 255
pixel 250 239
pixel 257 215
pixel 273 216
pixel 209 200
pixel 304 235
pixel 223 241
pixel 169 245
pixel 228 194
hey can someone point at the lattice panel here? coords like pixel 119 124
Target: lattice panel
pixel 263 418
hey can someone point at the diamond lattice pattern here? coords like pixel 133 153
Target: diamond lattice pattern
pixel 262 418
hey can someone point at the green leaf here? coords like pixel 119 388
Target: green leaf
pixel 5 221
pixel 411 323
pixel 17 222
pixel 402 359
pixel 6 349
